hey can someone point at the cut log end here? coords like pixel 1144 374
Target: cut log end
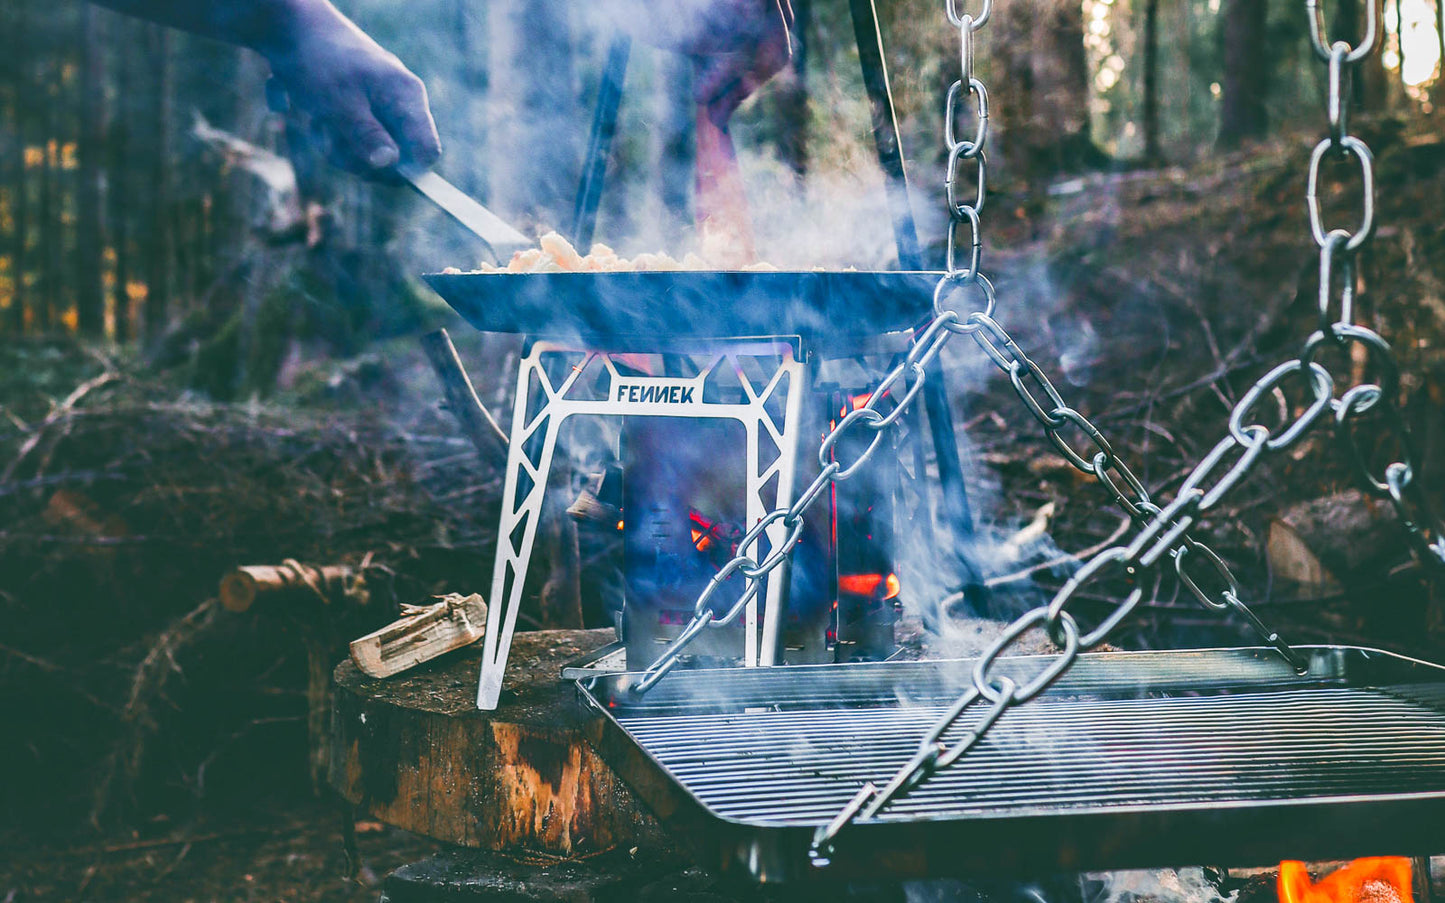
pixel 240 588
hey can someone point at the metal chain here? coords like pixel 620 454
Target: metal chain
pixel 907 377
pixel 1164 531
pixel 1369 408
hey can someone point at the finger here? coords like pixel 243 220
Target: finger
pixel 400 103
pixel 361 143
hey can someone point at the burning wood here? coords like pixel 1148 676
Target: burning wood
pixel 423 633
pixel 1375 879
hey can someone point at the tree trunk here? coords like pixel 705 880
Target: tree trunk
pixel 1376 87
pixel 51 235
pixel 16 83
pixel 90 241
pixel 159 246
pixel 1152 153
pixel 119 184
pixel 1370 80
pixel 1439 92
pixel 793 96
pixel 1040 46
pixel 1246 72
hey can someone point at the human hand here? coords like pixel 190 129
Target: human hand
pixel 735 45
pixel 370 109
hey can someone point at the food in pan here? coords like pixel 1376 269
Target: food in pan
pixel 555 254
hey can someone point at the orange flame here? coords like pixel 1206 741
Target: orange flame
pixel 1375 879
pixel 868 584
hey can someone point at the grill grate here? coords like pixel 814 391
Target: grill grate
pixel 1131 760
pixel 800 767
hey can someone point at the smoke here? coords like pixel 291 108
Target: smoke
pixel 1184 885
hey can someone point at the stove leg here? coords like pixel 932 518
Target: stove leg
pixel 529 465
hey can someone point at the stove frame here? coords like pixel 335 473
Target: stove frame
pixel 543 403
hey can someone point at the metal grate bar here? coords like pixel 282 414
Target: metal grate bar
pixel 799 767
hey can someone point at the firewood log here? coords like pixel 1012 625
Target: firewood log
pixel 291 579
pixel 423 633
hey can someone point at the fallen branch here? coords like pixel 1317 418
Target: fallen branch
pixel 1059 561
pixel 462 400
pixel 61 410
pixel 1067 558
pixel 147 685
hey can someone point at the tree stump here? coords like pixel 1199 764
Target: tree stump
pixel 414 751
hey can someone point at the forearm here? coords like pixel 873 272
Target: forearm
pixel 270 27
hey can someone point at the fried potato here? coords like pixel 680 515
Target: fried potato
pixel 556 254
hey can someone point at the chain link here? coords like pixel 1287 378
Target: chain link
pixel 1235 456
pixel 1163 531
pixel 909 372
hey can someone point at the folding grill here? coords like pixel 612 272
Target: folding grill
pixel 1222 756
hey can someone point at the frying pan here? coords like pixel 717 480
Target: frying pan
pixel 820 306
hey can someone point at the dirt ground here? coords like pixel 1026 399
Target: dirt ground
pixel 292 851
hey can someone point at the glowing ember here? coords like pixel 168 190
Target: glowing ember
pixel 870 585
pixel 1376 879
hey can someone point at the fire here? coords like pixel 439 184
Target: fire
pixel 1376 879
pixel 870 584
pixel 710 535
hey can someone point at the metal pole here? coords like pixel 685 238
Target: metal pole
pixel 599 142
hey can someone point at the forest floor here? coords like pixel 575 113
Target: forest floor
pixel 161 744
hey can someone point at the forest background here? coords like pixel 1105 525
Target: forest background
pixel 209 357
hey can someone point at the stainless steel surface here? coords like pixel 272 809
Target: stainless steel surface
pixel 819 305
pixel 608 659
pixel 502 239
pixel 1130 760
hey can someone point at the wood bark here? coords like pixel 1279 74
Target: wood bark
pixel 1377 86
pixel 1243 113
pixel 90 241
pixel 793 95
pixel 675 150
pixel 289 581
pixel 1438 94
pixel 49 237
pixel 1046 124
pixel 414 752
pixel 159 253
pixel 1152 152
pixel 119 200
pixel 1338 540
pixel 16 82
pixel 1370 81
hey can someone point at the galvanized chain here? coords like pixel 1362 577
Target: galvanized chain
pixel 1165 531
pixel 905 378
pixel 1369 408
